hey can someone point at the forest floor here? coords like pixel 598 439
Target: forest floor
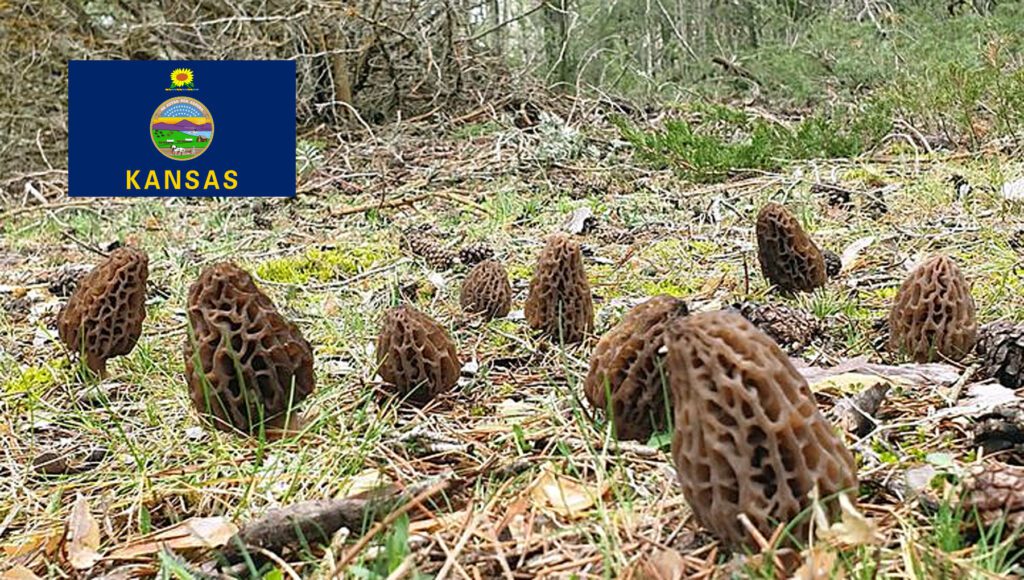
pixel 524 478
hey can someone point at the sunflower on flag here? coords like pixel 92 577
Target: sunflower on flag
pixel 181 80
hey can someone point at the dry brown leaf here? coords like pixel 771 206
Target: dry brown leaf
pixel 563 495
pixel 18 573
pixel 818 566
pixel 48 541
pixel 83 538
pixel 363 481
pixel 847 383
pixel 661 565
pixel 190 534
pixel 853 529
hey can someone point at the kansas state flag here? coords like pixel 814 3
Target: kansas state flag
pixel 181 128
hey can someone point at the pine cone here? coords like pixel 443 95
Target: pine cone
pixel 791 328
pixel 421 243
pixel 833 263
pixel 996 491
pixel 1001 346
pixel 473 254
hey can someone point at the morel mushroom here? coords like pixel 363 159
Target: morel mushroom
pixel 789 258
pixel 416 355
pixel 749 438
pixel 933 315
pixel 103 318
pixel 559 303
pixel 486 290
pixel 247 366
pixel 628 367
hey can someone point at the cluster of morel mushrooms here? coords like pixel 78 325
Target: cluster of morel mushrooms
pixel 748 438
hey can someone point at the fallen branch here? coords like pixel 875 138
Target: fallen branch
pixel 735 69
pixel 316 521
pixel 361 544
pixel 381 204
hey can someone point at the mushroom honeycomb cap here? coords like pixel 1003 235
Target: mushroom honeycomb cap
pixel 103 317
pixel 628 364
pixel 933 315
pixel 749 438
pixel 415 354
pixel 559 303
pixel 246 365
pixel 789 258
pixel 486 290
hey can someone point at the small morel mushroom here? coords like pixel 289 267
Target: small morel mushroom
pixel 103 317
pixel 1001 346
pixel 628 366
pixel 416 355
pixel 247 366
pixel 749 438
pixel 933 315
pixel 559 303
pixel 486 290
pixel 789 258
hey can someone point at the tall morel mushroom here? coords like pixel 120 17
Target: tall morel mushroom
pixel 749 438
pixel 103 317
pixel 933 315
pixel 486 290
pixel 247 366
pixel 789 258
pixel 559 302
pixel 416 355
pixel 628 367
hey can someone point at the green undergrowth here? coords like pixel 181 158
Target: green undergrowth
pixel 717 141
pixel 322 265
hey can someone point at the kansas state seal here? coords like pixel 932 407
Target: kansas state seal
pixel 182 128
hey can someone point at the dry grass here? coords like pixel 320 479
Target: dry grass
pixel 518 423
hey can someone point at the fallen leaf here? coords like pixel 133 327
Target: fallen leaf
pixel 980 398
pixel 661 565
pixel 83 538
pixel 563 495
pixel 190 534
pixel 18 573
pixel 1013 190
pixel 927 374
pixel 919 478
pixel 48 541
pixel 847 383
pixel 940 460
pixel 818 566
pixel 852 251
pixel 580 221
pixel 362 482
pixel 853 529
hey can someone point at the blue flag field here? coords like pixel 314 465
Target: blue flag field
pixel 181 128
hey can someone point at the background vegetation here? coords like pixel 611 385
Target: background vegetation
pixel 671 121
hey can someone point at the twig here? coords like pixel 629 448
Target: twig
pixel 382 204
pixel 414 502
pixel 49 207
pixel 501 25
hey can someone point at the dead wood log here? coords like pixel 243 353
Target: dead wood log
pixel 316 521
